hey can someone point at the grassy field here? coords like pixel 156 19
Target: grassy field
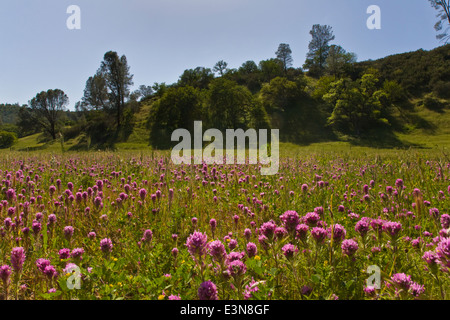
pixel 401 186
pixel 136 226
pixel 139 227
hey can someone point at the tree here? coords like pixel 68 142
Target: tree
pixel 47 109
pixel 284 55
pixel 27 123
pixel 339 61
pixel 318 49
pixel 281 94
pixel 443 7
pixel 259 119
pixel 288 106
pixel 322 86
pixel 395 91
pixel 248 75
pixel 178 108
pixel 159 88
pixel 118 79
pixel 220 67
pixel 9 113
pixel 7 139
pixel 358 105
pixel 143 92
pixel 95 93
pixel 248 67
pixel 271 68
pixel 229 104
pixel 199 77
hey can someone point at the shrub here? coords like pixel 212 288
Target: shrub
pixel 7 139
pixel 9 127
pixel 72 132
pixel 431 103
pixel 442 89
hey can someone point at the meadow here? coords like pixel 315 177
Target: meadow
pixel 132 225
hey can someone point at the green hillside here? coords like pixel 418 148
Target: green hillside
pixel 410 90
pixel 431 131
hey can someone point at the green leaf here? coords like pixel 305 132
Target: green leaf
pixel 63 284
pixel 316 278
pixel 274 271
pixel 349 283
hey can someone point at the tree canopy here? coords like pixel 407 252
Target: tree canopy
pixel 47 109
pixel 284 55
pixel 319 47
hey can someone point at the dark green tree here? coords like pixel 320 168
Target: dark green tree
pixel 95 95
pixel 145 91
pixel 284 54
pixel 271 69
pixel 318 49
pixel 7 139
pixel 230 105
pixel 9 113
pixel 178 108
pixel 281 94
pixel 199 77
pixel 116 72
pixel 287 104
pixel 358 106
pixel 220 67
pixel 47 108
pixel 159 88
pixel 339 61
pixel 248 75
pixel 27 123
pixel 248 67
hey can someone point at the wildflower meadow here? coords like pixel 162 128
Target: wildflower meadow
pixel 126 226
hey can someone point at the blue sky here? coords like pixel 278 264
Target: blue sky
pixel 162 38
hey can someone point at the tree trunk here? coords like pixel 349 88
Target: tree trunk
pixel 119 106
pixel 53 131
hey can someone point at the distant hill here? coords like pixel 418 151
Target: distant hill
pixel 9 113
pixel 418 72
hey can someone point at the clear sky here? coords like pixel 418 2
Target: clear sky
pixel 162 38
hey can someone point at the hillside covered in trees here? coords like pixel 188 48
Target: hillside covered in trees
pixel 332 97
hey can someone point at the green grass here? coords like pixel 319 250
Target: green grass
pixel 35 143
